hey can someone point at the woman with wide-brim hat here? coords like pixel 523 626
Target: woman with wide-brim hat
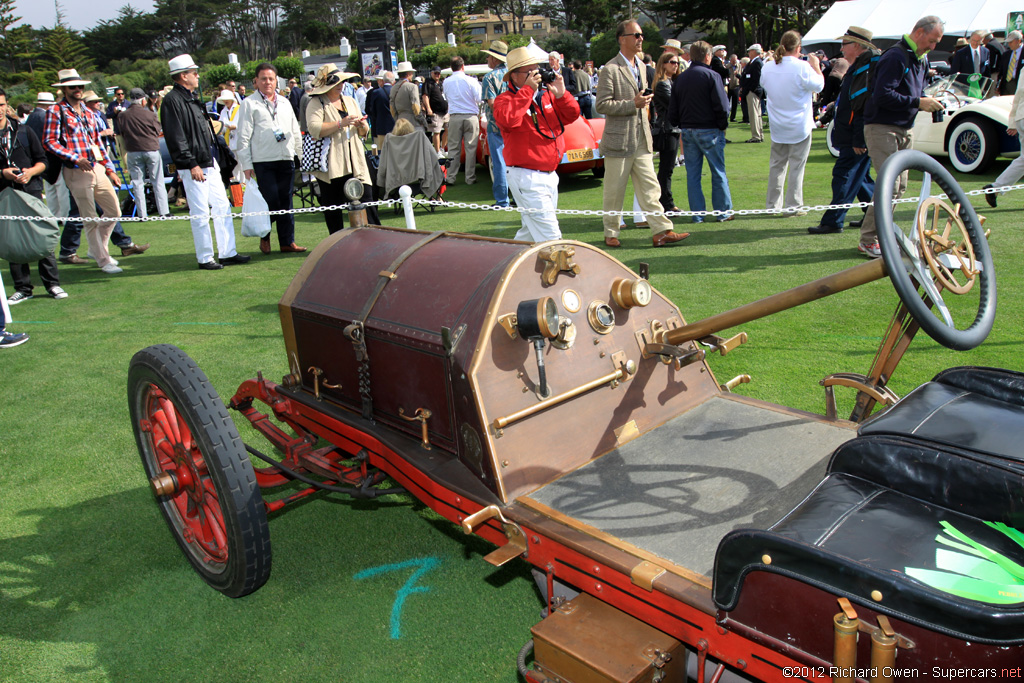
pixel 329 114
pixel 405 97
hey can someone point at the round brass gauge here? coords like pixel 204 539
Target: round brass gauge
pixel 601 317
pixel 537 318
pixel 628 293
pixel 571 301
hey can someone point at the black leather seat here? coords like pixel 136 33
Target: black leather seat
pixel 877 513
pixel 978 409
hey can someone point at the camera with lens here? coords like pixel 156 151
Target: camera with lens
pixel 547 74
pixel 279 136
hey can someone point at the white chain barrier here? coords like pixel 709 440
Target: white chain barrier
pixel 791 211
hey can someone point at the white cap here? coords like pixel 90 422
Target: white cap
pixel 181 63
pixel 716 48
pixel 756 47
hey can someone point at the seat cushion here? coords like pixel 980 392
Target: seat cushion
pixel 979 409
pixel 857 538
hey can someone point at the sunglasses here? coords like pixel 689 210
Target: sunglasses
pixel 74 87
pixel 638 36
pixel 673 61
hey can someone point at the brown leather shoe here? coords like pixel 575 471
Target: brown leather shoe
pixel 265 245
pixel 612 242
pixel 292 249
pixel 134 249
pixel 663 239
pixel 641 225
pixel 73 260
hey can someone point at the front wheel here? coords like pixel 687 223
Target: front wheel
pixel 197 465
pixel 972 145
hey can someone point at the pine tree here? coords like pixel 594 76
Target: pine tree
pixel 64 49
pixel 14 43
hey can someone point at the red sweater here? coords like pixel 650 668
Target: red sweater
pixel 524 146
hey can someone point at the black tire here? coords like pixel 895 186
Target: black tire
pixel 231 553
pixel 973 144
pixel 906 270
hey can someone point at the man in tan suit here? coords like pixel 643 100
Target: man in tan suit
pixel 623 97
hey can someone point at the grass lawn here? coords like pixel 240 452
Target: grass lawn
pixel 92 586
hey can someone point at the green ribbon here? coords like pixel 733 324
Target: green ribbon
pixel 975 571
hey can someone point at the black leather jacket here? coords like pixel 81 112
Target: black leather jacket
pixel 186 130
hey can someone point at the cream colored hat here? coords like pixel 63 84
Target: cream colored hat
pixel 45 98
pixel 404 68
pixel 673 43
pixel 499 50
pixel 69 77
pixel 226 96
pixel 856 34
pixel 522 56
pixel 327 77
pixel 89 97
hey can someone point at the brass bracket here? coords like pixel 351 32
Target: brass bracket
pixel 317 373
pixel 885 628
pixel 516 545
pixel 556 259
pixel 619 360
pixel 723 346
pixel 644 575
pixel 421 415
pixel 509 322
pixel 880 393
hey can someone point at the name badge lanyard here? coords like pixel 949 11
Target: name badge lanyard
pixel 272 111
pixel 83 120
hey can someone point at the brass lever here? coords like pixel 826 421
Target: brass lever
pixel 421 415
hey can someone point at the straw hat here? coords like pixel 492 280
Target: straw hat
pixel 522 56
pixel 674 44
pixel 856 34
pixel 499 50
pixel 181 63
pixel 89 97
pixel 45 98
pixel 327 77
pixel 226 96
pixel 69 77
pixel 404 68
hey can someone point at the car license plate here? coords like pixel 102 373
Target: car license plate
pixel 579 154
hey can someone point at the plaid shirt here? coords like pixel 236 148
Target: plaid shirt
pixel 494 85
pixel 81 134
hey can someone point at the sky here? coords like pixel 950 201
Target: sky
pixel 78 14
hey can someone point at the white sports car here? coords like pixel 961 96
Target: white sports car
pixel 972 131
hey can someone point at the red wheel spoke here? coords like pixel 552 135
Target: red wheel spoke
pixel 218 544
pixel 170 414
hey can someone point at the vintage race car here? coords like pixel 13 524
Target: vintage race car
pixel 547 399
pixel 971 129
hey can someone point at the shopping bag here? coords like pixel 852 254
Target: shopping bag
pixel 32 233
pixel 252 202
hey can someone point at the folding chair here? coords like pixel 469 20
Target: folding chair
pixel 306 189
pixel 411 160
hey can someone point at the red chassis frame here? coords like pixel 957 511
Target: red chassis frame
pixel 689 618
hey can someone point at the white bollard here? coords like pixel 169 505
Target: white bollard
pixel 405 192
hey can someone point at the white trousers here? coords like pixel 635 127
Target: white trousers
pixel 535 190
pixel 1015 170
pixel 57 199
pixel 205 199
pixel 638 215
pixel 140 165
pixel 793 156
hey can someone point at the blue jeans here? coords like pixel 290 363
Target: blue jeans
pixel 495 147
pixel 851 178
pixel 705 143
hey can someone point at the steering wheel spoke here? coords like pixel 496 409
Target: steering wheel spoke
pixel 944 250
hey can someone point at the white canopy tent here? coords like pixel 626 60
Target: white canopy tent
pixel 888 19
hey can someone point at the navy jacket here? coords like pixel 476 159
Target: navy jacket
pixel 962 61
pixel 698 100
pixel 378 109
pixel 897 86
pixel 750 79
pixel 848 130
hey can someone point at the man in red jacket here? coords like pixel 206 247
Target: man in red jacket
pixel 532 118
